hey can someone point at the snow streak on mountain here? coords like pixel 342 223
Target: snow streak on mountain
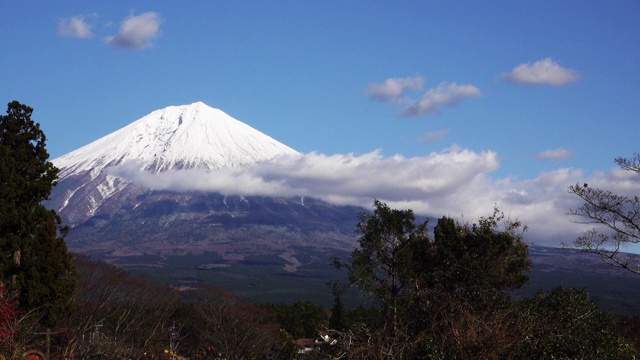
pixel 173 138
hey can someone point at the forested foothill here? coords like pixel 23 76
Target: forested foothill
pixel 435 292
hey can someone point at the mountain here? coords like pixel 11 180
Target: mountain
pixel 113 216
pixel 174 138
pixel 170 139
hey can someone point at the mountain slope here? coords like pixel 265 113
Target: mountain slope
pixel 111 216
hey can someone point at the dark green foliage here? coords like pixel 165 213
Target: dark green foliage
pixel 33 256
pixel 337 321
pixel 45 278
pixel 629 328
pixel 368 316
pixel 566 324
pixel 302 319
pixel 443 291
pixel 382 265
pixel 397 260
pixel 477 261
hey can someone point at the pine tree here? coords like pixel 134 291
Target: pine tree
pixel 337 319
pixel 34 260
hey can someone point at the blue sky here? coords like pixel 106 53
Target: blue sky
pixel 520 98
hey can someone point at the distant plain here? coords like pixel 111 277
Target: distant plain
pixel 270 279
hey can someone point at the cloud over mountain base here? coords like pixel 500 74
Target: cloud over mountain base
pixel 454 182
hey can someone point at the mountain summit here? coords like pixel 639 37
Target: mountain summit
pixel 174 138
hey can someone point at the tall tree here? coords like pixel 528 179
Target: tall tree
pixel 617 217
pixel 382 265
pixel 33 255
pixel 337 320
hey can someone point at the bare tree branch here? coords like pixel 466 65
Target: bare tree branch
pixel 618 214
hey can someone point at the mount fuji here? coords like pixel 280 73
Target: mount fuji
pixel 170 139
pixel 175 138
pixel 114 216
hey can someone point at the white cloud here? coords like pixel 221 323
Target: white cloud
pixel 75 26
pixel 393 89
pixel 342 179
pixel 542 72
pixel 445 95
pixel 554 154
pixel 137 32
pixel 452 182
pixel 432 136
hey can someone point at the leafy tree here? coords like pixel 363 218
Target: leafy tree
pixel 382 265
pixel 396 258
pixel 302 319
pixel 415 278
pixel 33 255
pixel 477 261
pixel 619 215
pixel 566 324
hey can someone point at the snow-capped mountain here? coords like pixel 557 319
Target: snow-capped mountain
pixel 170 139
pixel 116 216
pixel 176 137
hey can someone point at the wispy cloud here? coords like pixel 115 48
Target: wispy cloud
pixel 445 95
pixel 393 89
pixel 137 32
pixel 453 182
pixel 554 154
pixel 432 136
pixel 76 26
pixel 542 72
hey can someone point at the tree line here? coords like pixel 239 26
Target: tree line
pixel 441 292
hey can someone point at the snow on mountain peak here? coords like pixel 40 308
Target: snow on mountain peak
pixel 173 138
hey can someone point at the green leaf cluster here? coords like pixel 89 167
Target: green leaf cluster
pixel 566 323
